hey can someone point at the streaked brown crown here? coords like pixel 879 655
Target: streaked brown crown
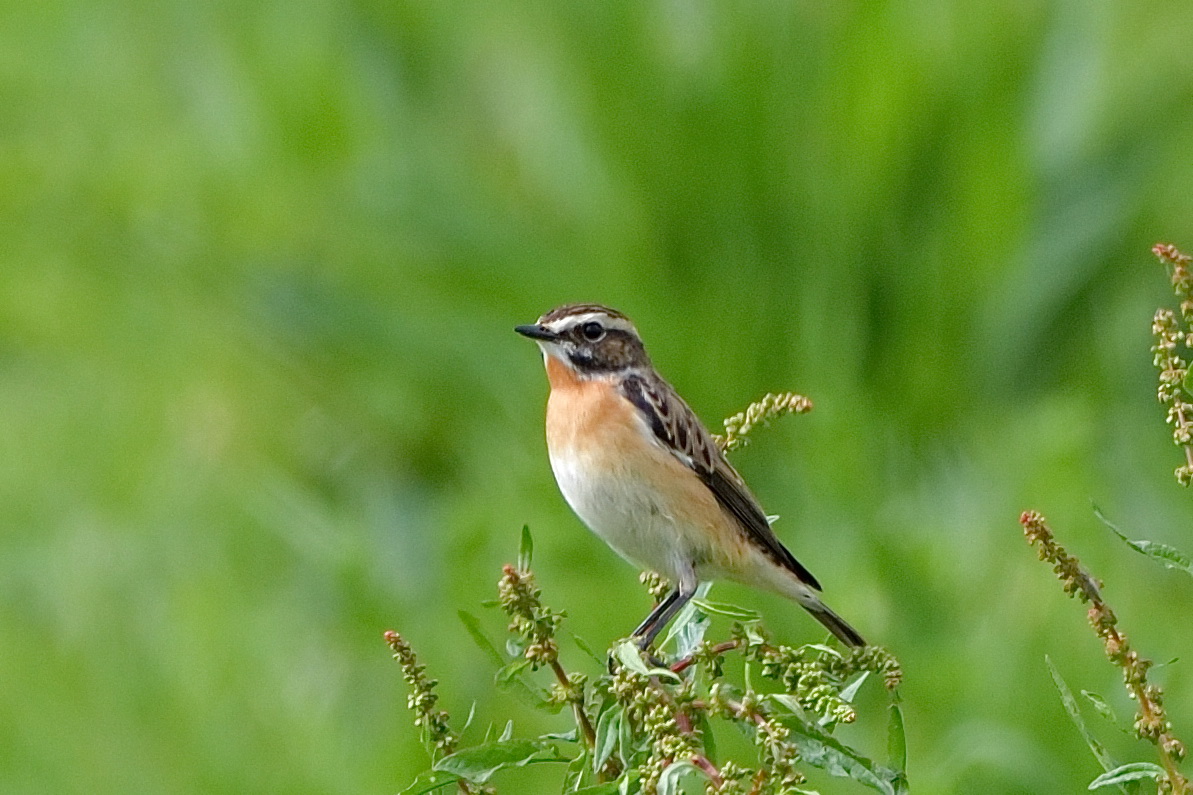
pixel 575 310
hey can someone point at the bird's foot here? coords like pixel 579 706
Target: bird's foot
pixel 651 660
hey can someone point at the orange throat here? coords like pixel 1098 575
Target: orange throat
pixel 561 376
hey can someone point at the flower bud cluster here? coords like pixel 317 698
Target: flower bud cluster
pixel 815 675
pixel 806 674
pixel 571 692
pixel 877 661
pixel 1151 722
pixel 656 584
pixel 421 701
pixel 772 405
pixel 535 626
pixel 1076 581
pixel 529 618
pixel 656 713
pixel 1171 337
pixel 1182 280
pixel 736 780
pixel 778 754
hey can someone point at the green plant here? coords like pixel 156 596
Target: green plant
pixel 1151 720
pixel 1173 337
pixel 648 723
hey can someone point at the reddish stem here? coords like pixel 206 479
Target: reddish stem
pixel 686 662
pixel 709 769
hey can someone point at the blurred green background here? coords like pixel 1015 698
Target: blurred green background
pixel 260 399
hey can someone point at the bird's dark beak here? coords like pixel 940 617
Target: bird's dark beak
pixel 537 332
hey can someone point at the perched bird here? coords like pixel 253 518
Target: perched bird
pixel 638 467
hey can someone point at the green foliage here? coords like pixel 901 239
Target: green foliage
pixel 1151 723
pixel 896 736
pixel 1174 340
pixel 1132 771
pixel 429 781
pixel 477 764
pixel 526 550
pixel 657 717
pixel 1164 554
pixel 1074 711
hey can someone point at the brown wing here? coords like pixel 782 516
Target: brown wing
pixel 678 428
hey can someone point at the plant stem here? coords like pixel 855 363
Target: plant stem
pixel 686 662
pixel 1152 723
pixel 710 770
pixel 578 708
pixel 683 722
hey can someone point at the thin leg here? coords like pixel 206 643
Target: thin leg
pixel 668 600
pixel 649 629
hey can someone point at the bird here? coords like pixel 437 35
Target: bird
pixel 638 467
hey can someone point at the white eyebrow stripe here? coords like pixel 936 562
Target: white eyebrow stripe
pixel 608 321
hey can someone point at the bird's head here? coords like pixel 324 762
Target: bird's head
pixel 590 339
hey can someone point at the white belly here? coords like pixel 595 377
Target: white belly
pixel 625 511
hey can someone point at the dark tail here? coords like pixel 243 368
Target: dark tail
pixel 836 625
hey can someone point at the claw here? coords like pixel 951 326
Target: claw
pixel 651 659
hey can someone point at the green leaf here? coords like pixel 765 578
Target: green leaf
pixel 584 646
pixel 1132 771
pixel 478 763
pixel 577 769
pixel 1100 705
pixel 849 691
pixel 429 781
pixel 674 774
pixel 511 671
pixel 789 703
pixel 688 628
pixel 896 738
pixel 473 625
pixel 608 729
pixel 526 549
pixel 1187 382
pixel 690 635
pixel 611 788
pixel 628 746
pixel 569 736
pixel 1167 556
pixel 828 753
pixel 725 609
pixel 1070 704
pixel 629 655
pixel 750 632
pixel 468 720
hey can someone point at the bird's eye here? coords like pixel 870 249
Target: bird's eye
pixel 592 331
